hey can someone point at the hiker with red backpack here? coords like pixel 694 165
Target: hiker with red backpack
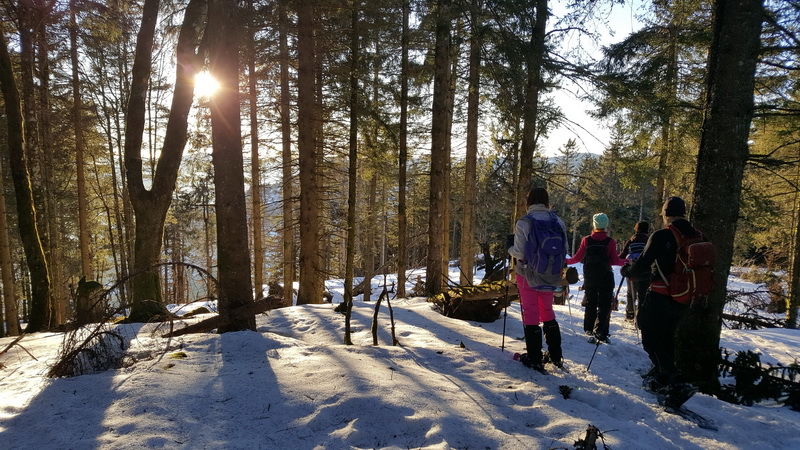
pixel 631 250
pixel 597 252
pixel 539 245
pixel 673 266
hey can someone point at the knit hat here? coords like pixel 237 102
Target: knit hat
pixel 600 221
pixel 674 207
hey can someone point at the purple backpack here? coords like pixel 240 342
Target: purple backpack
pixel 544 249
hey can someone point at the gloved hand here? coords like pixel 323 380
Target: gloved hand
pixel 509 241
pixel 624 270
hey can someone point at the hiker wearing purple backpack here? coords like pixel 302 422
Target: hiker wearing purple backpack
pixel 540 245
pixel 597 252
pixel 631 250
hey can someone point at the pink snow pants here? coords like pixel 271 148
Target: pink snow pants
pixel 537 306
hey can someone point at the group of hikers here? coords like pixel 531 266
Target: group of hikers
pixel 540 248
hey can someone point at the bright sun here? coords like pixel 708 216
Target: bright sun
pixel 205 85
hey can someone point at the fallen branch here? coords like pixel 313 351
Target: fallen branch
pixel 240 313
pixel 15 342
pixel 752 321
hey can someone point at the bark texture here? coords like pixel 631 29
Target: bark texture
pixel 39 318
pixel 720 167
pixel 233 254
pixel 310 289
pixel 437 227
pixel 150 206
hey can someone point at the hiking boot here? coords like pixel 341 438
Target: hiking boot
pixel 533 343
pixel 677 394
pixel 552 336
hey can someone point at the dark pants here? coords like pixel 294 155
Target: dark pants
pixel 637 290
pixel 599 295
pixel 658 318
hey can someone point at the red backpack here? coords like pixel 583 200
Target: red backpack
pixel 692 277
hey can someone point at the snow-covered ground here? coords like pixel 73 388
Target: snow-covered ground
pixel 294 385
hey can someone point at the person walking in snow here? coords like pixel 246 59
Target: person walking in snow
pixel 659 314
pixel 597 252
pixel 631 250
pixel 539 245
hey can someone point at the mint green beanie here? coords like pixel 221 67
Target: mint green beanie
pixel 600 221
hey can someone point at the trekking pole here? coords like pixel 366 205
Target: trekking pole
pixel 568 298
pixel 593 353
pixel 616 296
pixel 505 308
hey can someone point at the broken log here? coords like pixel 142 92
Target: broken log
pixel 482 303
pixel 240 313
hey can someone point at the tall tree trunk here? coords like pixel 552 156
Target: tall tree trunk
pixel 467 245
pixel 319 142
pixel 535 62
pixel 27 25
pixel 720 167
pixel 286 157
pixel 352 174
pixel 437 227
pixel 48 206
pixel 793 300
pixel 448 166
pixel 11 318
pixel 233 256
pixel 150 206
pixel 28 227
pixel 402 220
pixel 255 170
pixel 126 225
pixel 310 288
pixel 77 106
pixel 33 41
pixel 369 236
pixel 667 125
pixel 113 96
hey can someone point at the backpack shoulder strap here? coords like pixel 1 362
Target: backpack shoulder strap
pixel 677 233
pixel 679 240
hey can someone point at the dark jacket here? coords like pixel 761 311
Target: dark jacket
pixel 636 238
pixel 661 247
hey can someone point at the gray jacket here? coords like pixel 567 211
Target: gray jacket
pixel 523 229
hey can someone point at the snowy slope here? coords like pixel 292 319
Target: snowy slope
pixel 294 385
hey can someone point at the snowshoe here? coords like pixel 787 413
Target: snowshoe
pixel 523 358
pixel 559 364
pixel 688 414
pixel 547 359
